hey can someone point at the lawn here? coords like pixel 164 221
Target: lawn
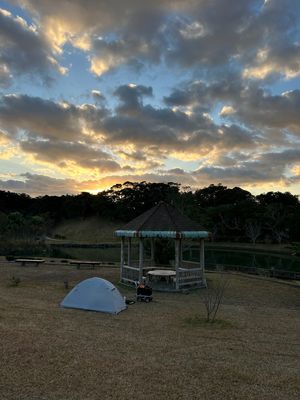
pixel 149 351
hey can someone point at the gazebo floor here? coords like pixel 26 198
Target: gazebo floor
pixel 162 286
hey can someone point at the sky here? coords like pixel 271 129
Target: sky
pixel 199 92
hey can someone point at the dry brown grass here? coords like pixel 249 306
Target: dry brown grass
pixel 149 351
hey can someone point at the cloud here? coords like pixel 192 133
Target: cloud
pixel 131 97
pixel 93 138
pixel 5 76
pixel 259 108
pixel 283 60
pixel 188 33
pixel 47 119
pixel 24 50
pixel 97 95
pixel 204 95
pixel 88 26
pixel 62 152
pixel 38 185
pixel 109 55
pixel 270 167
pixel 256 37
pixel 227 110
pixel 249 104
pixel 170 130
pixel 265 168
pixel 56 132
pixel 4 139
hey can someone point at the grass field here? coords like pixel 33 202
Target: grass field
pixel 149 351
pixel 89 230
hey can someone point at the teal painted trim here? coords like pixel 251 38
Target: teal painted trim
pixel 125 233
pixel 195 234
pixel 163 234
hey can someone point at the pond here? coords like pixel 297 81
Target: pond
pixel 213 256
pixel 232 257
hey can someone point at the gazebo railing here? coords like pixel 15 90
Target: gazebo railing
pixel 130 275
pixel 191 277
pixel 190 264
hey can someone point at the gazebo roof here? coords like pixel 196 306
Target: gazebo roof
pixel 163 220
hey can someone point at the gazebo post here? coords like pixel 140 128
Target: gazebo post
pixel 141 259
pixel 122 258
pixel 180 252
pixel 202 255
pixel 129 252
pixel 177 261
pixel 152 252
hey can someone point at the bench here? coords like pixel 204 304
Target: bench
pixel 25 261
pixel 91 264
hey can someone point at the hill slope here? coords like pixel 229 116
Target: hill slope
pixel 89 230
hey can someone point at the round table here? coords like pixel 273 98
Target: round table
pixel 161 275
pixel 162 272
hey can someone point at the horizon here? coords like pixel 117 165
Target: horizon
pixel 181 188
pixel 94 93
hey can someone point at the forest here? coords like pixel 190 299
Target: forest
pixel 230 214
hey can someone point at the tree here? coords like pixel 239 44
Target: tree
pixel 253 230
pixel 213 296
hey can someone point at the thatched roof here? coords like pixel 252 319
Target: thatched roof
pixel 162 220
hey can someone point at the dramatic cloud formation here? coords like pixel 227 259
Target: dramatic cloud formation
pixel 198 92
pixel 24 50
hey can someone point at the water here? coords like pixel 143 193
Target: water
pixel 107 254
pixel 213 256
pixel 245 258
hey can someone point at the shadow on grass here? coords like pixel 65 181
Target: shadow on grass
pixel 197 321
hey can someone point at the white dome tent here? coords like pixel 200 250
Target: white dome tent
pixel 95 294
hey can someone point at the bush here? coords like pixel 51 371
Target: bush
pixel 28 247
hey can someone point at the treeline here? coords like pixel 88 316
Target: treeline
pixel 229 214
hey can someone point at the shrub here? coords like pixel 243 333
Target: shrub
pixel 213 296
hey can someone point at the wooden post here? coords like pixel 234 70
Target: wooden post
pixel 141 259
pixel 180 252
pixel 202 261
pixel 177 261
pixel 122 258
pixel 202 254
pixel 129 252
pixel 152 260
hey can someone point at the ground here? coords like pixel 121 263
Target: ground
pixel 88 230
pixel 149 351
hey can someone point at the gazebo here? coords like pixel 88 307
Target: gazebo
pixel 162 221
